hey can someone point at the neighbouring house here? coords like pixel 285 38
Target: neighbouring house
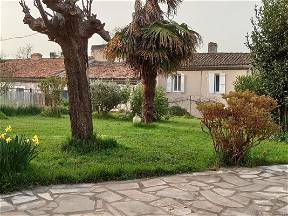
pixel 206 77
pixel 27 73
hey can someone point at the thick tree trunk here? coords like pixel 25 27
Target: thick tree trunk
pixel 149 83
pixel 76 63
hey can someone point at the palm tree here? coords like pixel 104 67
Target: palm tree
pixel 153 45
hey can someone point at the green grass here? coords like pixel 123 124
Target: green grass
pixel 168 147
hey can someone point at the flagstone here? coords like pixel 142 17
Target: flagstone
pixel 137 195
pixel 135 208
pixel 22 199
pixel 45 196
pixel 109 196
pixel 224 192
pixel 220 200
pixel 122 186
pixel 5 206
pixel 153 182
pixel 176 193
pixel 206 205
pixel 73 203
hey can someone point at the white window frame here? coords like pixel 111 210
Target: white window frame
pixel 212 83
pixel 175 80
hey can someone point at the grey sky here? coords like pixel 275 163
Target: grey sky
pixel 224 22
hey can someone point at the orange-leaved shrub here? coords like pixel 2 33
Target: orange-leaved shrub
pixel 239 125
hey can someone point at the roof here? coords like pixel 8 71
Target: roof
pixel 109 70
pixel 34 68
pixel 202 61
pixel 41 68
pixel 45 67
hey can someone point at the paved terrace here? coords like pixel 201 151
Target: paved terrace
pixel 261 191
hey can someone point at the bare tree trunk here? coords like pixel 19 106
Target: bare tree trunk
pixel 149 83
pixel 80 108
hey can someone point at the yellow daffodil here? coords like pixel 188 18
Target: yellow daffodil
pixel 2 136
pixel 35 140
pixel 8 140
pixel 8 129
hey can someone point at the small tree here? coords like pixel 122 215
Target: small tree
pixel 24 52
pixel 240 126
pixel 269 51
pixel 70 24
pixel 53 88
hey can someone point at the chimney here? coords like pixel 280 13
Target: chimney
pixel 36 56
pixel 53 55
pixel 212 47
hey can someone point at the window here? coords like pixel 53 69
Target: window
pixel 217 83
pixel 175 83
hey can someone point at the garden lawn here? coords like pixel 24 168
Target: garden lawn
pixel 167 147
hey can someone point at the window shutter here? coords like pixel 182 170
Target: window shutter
pixel 169 84
pixel 183 83
pixel 222 87
pixel 211 83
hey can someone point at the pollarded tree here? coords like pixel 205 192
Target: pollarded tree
pixel 153 45
pixel 71 25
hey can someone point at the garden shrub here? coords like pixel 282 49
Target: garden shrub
pixel 160 102
pixel 239 126
pixel 53 88
pixel 249 83
pixel 107 95
pixel 49 112
pixel 3 116
pixel 94 144
pixel 178 111
pixel 21 110
pixel 16 152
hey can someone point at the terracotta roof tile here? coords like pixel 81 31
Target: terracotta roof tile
pixel 210 60
pixel 41 68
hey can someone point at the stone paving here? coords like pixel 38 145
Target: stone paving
pixel 261 191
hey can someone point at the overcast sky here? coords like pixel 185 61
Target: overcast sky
pixel 224 22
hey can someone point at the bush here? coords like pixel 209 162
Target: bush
pixel 16 152
pixel 16 111
pixel 249 83
pixel 3 116
pixel 53 88
pixel 160 102
pixel 240 126
pixel 94 144
pixel 107 95
pixel 178 111
pixel 49 112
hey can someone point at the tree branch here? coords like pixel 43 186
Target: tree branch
pixel 94 25
pixel 34 24
pixel 66 8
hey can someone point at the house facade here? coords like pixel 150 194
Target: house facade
pixel 206 77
